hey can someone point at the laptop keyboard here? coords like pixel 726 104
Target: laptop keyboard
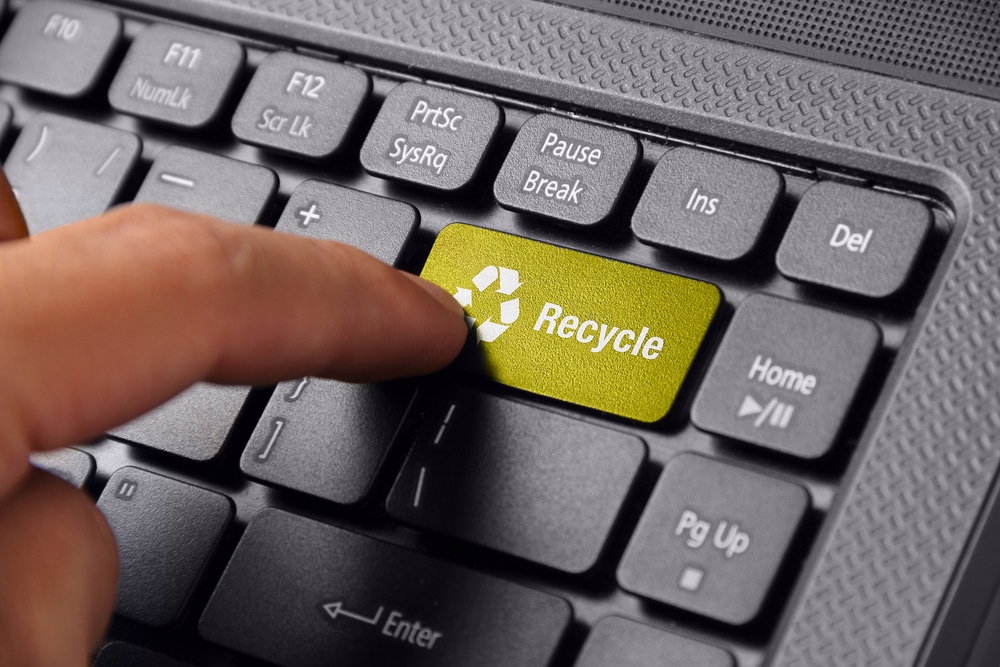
pixel 586 511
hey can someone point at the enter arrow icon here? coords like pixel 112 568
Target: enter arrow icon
pixel 336 610
pixel 749 407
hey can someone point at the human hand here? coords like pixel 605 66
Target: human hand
pixel 104 319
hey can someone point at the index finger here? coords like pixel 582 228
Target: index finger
pixel 102 320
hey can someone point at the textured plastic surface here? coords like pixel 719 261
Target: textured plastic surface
pixel 199 182
pixel 868 247
pixel 59 47
pixel 378 225
pixel 70 464
pixel 620 642
pixel 432 137
pixel 923 470
pixel 166 531
pixel 288 570
pixel 709 204
pixel 65 170
pixel 566 170
pixel 517 479
pixel 302 106
pixel 795 388
pixel 712 538
pixel 955 44
pixel 325 438
pixel 194 424
pixel 120 654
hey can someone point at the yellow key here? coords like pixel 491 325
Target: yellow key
pixel 575 327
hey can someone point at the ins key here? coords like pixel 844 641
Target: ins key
pixel 708 204
pixel 430 137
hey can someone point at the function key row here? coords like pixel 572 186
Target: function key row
pixel 841 237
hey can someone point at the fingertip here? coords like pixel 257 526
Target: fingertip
pixel 451 331
pixel 60 562
pixel 440 295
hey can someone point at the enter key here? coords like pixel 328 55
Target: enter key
pixel 572 326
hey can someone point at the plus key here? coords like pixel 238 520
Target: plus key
pixel 309 214
pixel 378 225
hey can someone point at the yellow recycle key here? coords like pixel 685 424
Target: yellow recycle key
pixel 572 326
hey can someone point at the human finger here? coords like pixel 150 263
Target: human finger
pixel 104 319
pixel 12 224
pixel 58 567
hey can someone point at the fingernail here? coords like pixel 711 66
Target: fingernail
pixel 441 296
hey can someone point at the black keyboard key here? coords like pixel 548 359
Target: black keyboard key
pixel 63 170
pixel 301 105
pixel 6 116
pixel 708 204
pixel 853 239
pixel 785 375
pixel 518 479
pixel 70 464
pixel 377 225
pixel 566 170
pixel 712 538
pixel 201 182
pixel 58 47
pixel 619 642
pixel 166 531
pixel 120 654
pixel 177 76
pixel 299 593
pixel 430 136
pixel 326 438
pixel 195 424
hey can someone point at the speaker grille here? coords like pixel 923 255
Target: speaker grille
pixel 951 43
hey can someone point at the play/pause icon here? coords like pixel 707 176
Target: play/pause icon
pixel 774 412
pixel 126 490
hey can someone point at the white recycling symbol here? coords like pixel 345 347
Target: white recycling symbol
pixel 510 310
